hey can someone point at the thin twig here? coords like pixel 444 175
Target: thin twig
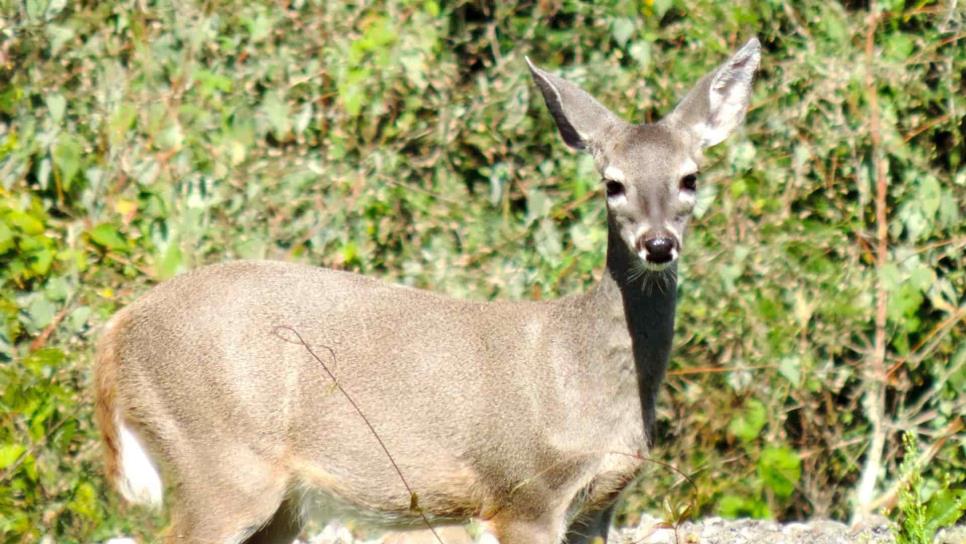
pixel 42 338
pixel 925 126
pixel 716 370
pixel 917 353
pixel 413 498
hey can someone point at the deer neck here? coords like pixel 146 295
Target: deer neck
pixel 637 311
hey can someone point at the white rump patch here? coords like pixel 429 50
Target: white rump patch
pixel 140 482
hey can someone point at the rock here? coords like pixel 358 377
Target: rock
pixel 749 531
pixel 952 535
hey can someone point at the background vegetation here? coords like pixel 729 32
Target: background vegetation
pixel 822 294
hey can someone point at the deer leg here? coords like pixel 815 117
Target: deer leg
pixel 231 504
pixel 230 520
pixel 283 528
pixel 590 527
pixel 526 531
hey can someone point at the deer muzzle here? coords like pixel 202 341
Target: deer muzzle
pixel 658 249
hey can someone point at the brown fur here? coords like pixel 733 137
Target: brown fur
pixel 105 395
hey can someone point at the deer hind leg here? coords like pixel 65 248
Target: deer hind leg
pixel 208 518
pixel 232 504
pixel 508 529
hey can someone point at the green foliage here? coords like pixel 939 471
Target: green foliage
pixel 780 470
pixel 403 139
pixel 748 423
pixel 925 508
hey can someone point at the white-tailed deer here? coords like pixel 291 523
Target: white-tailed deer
pixel 243 383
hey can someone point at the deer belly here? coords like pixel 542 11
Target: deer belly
pixel 380 498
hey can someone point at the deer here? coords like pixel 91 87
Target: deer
pixel 248 396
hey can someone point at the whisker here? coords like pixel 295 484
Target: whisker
pixel 663 280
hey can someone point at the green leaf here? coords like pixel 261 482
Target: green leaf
pixel 41 311
pixel 171 137
pixel 735 506
pixel 538 205
pixel 834 27
pixel 59 36
pixel 10 97
pixel 120 123
pixel 899 47
pixel 41 260
pixel 170 262
pixel 547 241
pixel 6 238
pixel 9 453
pixel 45 357
pixel 352 91
pixel 259 28
pixel 84 502
pixel 67 158
pixel 903 305
pixel 930 195
pixel 25 222
pixel 641 52
pixel 277 112
pixel 211 82
pixel 661 7
pixel 622 29
pixel 749 422
pixel 780 468
pixel 78 318
pixel 107 236
pixel 945 508
pixel 791 369
pixel 56 104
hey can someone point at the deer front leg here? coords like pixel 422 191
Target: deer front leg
pixel 514 527
pixel 526 532
pixel 590 527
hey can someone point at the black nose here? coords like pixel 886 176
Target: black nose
pixel 659 249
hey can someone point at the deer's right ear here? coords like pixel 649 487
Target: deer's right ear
pixel 581 120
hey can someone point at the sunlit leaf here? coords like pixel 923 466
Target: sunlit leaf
pixel 780 468
pixel 107 236
pixel 749 422
pixel 67 158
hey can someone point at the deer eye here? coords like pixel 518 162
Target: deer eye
pixel 613 188
pixel 689 182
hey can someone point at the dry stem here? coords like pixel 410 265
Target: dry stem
pixel 875 373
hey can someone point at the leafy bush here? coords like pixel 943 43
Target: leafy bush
pixel 404 140
pixel 923 511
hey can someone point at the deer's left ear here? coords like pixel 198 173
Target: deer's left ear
pixel 717 104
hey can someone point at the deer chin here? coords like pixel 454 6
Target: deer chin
pixel 657 267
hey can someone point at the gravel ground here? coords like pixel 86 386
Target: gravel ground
pixel 706 531
pixel 651 531
pixel 721 531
